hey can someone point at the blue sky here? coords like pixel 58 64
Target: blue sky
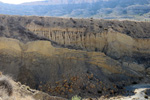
pixel 18 1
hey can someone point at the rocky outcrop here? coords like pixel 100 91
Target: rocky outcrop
pixel 112 43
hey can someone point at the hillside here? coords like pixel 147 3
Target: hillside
pixel 106 9
pixel 11 90
pixel 66 56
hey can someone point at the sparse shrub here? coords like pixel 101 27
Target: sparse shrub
pixel 39 23
pixel 10 91
pixel 146 97
pixel 2 28
pixel 76 98
pixel 73 20
pixel 6 85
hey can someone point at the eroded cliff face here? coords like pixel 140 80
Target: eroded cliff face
pixel 113 43
pixel 64 72
pixel 65 57
pixel 17 26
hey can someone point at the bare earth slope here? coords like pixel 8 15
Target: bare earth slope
pixel 11 90
pixel 67 57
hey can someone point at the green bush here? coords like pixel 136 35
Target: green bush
pixel 76 98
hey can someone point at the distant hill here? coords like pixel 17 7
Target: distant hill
pixel 60 2
pixel 107 9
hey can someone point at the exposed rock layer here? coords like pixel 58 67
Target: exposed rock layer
pixel 64 72
pixel 109 54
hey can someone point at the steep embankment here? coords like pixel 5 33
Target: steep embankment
pixel 61 71
pixel 109 54
pixel 117 39
pixel 10 90
pixel 65 72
